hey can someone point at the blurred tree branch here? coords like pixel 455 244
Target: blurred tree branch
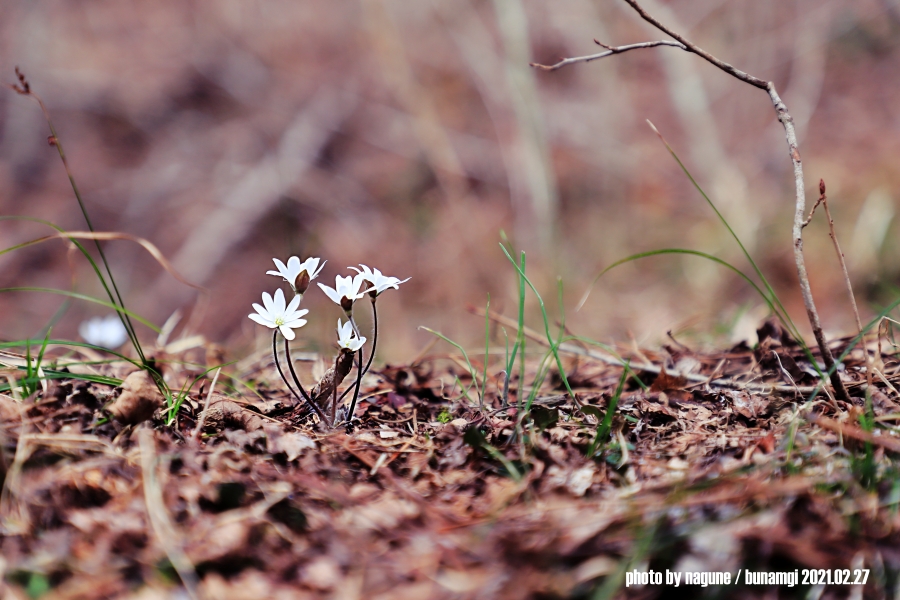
pixel 787 122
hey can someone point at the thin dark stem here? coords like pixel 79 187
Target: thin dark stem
pixel 359 375
pixel 374 336
pixel 126 320
pixel 317 410
pixel 359 372
pixel 374 343
pixel 287 355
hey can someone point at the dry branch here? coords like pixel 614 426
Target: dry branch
pixel 790 135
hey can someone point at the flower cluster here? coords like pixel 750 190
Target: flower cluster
pixel 282 316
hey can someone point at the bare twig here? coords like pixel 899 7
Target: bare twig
pixel 863 342
pixel 203 414
pixel 800 198
pixel 610 50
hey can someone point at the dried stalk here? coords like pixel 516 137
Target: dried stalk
pixel 202 421
pixel 791 137
pixel 160 521
pixel 863 341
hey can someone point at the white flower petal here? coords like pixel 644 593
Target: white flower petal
pixel 288 316
pixel 293 304
pixel 295 323
pixel 282 268
pixel 331 293
pixel 287 332
pixel 268 303
pixel 262 320
pixel 278 306
pixel 313 270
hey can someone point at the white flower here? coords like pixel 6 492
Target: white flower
pixel 275 314
pixel 104 331
pixel 347 337
pixel 379 282
pixel 345 292
pixel 293 271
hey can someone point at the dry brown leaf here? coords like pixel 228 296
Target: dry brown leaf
pixel 140 398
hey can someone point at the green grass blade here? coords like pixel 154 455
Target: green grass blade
pixel 520 332
pixel 550 340
pixel 124 316
pixel 715 259
pixel 78 296
pixel 603 426
pixel 731 231
pixel 126 322
pixel 472 372
pixel 487 349
pixel 52 374
pixel 21 343
pixel 183 393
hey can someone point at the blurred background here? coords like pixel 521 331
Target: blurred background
pixel 408 135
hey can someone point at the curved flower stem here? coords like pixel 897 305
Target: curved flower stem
pixel 287 356
pixel 374 342
pixel 374 336
pixel 305 396
pixel 334 404
pixel 359 375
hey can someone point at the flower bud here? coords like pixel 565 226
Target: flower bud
pixel 301 284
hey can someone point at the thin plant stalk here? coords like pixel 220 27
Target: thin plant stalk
pixel 520 333
pixel 787 122
pixel 55 141
pixel 840 256
pixel 606 423
pixel 472 372
pixel 371 356
pixel 359 374
pixel 287 356
pixel 374 336
pixel 359 361
pixel 553 345
pixel 312 404
pixel 487 348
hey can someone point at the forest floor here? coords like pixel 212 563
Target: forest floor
pixel 430 496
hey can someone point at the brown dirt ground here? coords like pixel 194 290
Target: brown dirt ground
pixel 409 505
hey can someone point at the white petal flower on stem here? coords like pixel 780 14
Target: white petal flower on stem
pixel 104 331
pixel 345 291
pixel 378 281
pixel 274 314
pixel 292 271
pixel 347 338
